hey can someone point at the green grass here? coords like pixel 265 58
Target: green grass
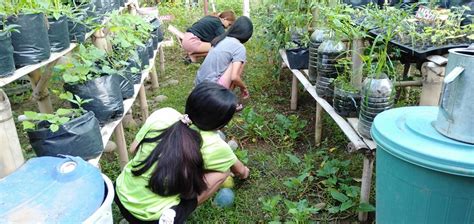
pixel 274 158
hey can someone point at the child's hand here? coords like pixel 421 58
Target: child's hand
pixel 245 173
pixel 244 93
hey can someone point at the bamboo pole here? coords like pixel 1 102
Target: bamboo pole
pixel 357 52
pixel 318 125
pixel 162 61
pixel 408 83
pixel 433 76
pixel 154 78
pixel 143 102
pixel 246 8
pixel 100 41
pixel 11 156
pixel 121 145
pixel 39 82
pixel 366 184
pixel 206 11
pixel 294 93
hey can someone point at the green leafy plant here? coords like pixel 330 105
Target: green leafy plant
pixel 288 129
pixel 17 7
pixel 8 29
pixel 270 206
pixel 58 118
pixel 85 64
pixel 300 211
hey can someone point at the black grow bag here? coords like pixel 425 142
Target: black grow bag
pixel 77 31
pixel 58 34
pixel 7 65
pixel 126 85
pixel 142 52
pixel 106 95
pixel 150 48
pixel 31 43
pixel 78 137
pixel 298 58
pixel 136 77
pixel 156 33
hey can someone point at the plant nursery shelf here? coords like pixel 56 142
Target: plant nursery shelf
pixel 351 133
pixel 54 56
pixel 108 129
pixel 349 127
pixel 30 68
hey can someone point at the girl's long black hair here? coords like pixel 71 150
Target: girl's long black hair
pixel 179 163
pixel 242 30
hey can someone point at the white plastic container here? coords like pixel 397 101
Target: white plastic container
pixel 104 213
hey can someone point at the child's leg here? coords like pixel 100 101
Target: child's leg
pixel 214 180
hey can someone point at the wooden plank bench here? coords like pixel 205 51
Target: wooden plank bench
pixel 348 127
pixel 179 36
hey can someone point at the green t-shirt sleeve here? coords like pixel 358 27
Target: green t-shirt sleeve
pixel 217 155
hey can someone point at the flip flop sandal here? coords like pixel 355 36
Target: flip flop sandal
pixel 239 107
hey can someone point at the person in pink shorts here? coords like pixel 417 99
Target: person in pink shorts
pixel 225 62
pixel 197 38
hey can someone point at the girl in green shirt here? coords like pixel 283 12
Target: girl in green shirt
pixel 181 161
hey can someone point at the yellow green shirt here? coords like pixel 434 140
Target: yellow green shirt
pixel 132 190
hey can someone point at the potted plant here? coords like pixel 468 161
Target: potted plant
pixel 377 90
pixel 31 43
pixel 7 67
pixel 87 77
pixel 67 131
pixel 296 39
pixel 346 99
pixel 58 31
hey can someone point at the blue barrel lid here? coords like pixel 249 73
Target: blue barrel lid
pixel 408 134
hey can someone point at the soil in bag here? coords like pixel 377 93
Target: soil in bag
pixel 31 43
pixel 58 34
pixel 77 137
pixel 7 65
pixel 106 95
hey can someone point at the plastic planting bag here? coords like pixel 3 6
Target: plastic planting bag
pixel 298 58
pixel 136 76
pixel 150 48
pixel 31 43
pixel 126 85
pixel 106 95
pixel 143 55
pixel 77 137
pixel 58 34
pixel 77 31
pixel 156 33
pixel 7 65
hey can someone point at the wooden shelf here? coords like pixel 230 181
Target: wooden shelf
pixel 30 68
pixel 358 141
pixel 54 56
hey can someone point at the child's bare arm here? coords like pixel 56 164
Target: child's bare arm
pixel 240 170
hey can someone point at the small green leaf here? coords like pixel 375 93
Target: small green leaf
pixel 27 125
pixel 365 207
pixel 30 114
pixel 54 127
pixel 346 205
pixel 338 195
pixel 293 159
